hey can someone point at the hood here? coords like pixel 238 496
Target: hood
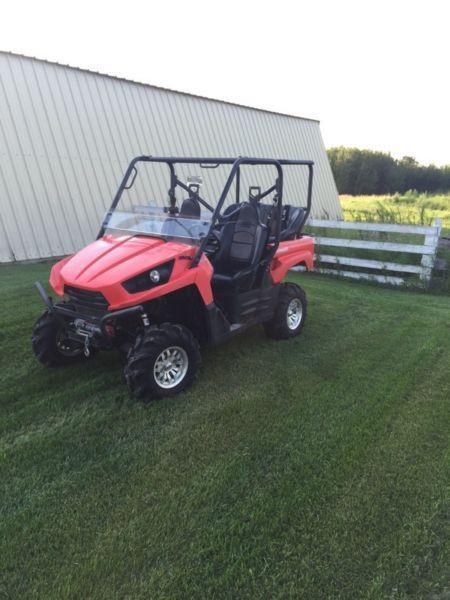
pixel 113 259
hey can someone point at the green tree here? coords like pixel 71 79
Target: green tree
pixel 359 171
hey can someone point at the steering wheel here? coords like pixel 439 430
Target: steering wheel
pixel 213 243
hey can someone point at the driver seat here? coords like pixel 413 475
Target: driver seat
pixel 242 244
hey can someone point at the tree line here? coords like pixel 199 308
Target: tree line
pixel 361 172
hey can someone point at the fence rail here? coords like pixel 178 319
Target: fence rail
pixel 386 227
pixel 377 269
pixel 369 245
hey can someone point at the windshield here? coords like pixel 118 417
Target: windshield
pixel 154 221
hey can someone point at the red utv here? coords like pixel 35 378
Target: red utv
pixel 159 282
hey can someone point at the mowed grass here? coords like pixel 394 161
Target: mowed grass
pixel 314 468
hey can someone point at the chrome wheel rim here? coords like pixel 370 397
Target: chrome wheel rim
pixel 170 367
pixel 294 313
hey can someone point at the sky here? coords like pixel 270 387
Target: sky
pixel 376 74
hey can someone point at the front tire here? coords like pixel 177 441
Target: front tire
pixel 50 344
pixel 163 362
pixel 290 313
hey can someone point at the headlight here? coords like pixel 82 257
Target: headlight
pixel 149 279
pixel 154 276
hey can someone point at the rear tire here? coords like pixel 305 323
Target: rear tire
pixel 163 362
pixel 290 313
pixel 50 345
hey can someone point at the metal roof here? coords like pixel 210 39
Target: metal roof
pixel 157 87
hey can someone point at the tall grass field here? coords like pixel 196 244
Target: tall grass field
pixel 411 208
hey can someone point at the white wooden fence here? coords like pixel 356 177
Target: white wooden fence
pixel 370 268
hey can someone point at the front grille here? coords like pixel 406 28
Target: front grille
pixel 86 301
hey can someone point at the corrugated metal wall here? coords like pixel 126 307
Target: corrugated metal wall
pixel 67 135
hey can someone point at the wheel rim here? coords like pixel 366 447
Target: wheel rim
pixel 170 367
pixel 294 313
pixel 67 347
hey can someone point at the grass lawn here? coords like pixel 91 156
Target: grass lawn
pixel 314 468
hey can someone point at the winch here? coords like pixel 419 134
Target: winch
pixel 87 331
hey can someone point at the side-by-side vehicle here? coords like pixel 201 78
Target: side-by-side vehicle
pixel 159 282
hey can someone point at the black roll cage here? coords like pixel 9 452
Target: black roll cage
pixel 211 163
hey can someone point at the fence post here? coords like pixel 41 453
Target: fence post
pixel 427 261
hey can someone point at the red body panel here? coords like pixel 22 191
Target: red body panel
pixel 106 263
pixel 291 253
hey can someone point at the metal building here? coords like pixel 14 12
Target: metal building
pixel 67 135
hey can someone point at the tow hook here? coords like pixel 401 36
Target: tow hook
pixel 86 350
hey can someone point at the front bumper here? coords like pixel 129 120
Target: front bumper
pixel 98 321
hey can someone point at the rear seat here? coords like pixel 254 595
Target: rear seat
pixel 292 219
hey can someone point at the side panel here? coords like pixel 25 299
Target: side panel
pixel 241 310
pixel 257 306
pixel 291 253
